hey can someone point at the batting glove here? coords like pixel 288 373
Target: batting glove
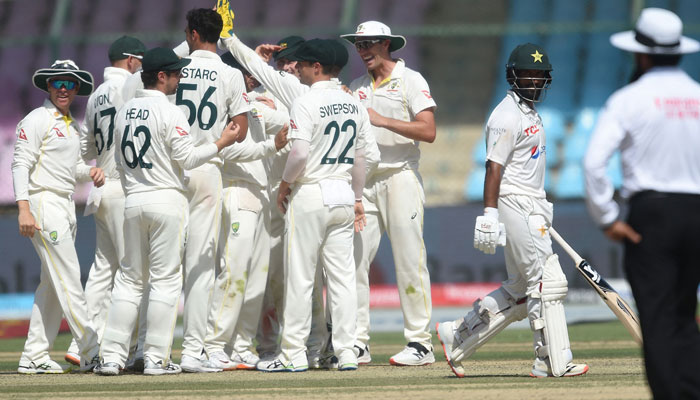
pixel 488 232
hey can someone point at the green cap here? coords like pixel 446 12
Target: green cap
pixel 288 44
pixel 529 56
pixel 124 47
pixel 162 59
pixel 341 53
pixel 321 51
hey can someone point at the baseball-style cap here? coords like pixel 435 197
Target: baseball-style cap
pixel 288 44
pixel 529 56
pixel 124 47
pixel 314 50
pixel 64 68
pixel 162 59
pixel 341 53
pixel 657 31
pixel 375 29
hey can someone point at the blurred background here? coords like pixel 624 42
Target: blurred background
pixel 460 47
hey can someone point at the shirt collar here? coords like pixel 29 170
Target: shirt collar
pixel 54 112
pixel 524 108
pixel 325 85
pixel 396 73
pixel 204 54
pixel 150 93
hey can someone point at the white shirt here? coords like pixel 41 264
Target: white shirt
pixel 155 145
pixel 209 93
pixel 97 135
pixel 516 140
pixel 47 153
pixel 335 124
pixel 401 96
pixel 655 122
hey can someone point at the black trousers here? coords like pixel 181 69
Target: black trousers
pixel 664 272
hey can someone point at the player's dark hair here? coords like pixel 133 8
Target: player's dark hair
pixel 206 22
pixel 328 69
pixel 665 60
pixel 149 79
pixel 334 71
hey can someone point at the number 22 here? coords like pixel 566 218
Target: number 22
pixel 342 159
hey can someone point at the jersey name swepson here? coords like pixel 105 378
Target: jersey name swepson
pixel 334 124
pixel 515 139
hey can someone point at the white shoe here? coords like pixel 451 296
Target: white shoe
pixel 72 358
pixel 277 365
pixel 47 367
pixel 541 369
pixel 362 353
pixel 414 354
pixel 246 360
pixel 195 365
pixel 219 359
pixel 88 366
pixel 107 369
pixel 152 368
pixel 347 361
pixel 446 335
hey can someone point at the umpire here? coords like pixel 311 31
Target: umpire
pixel 655 123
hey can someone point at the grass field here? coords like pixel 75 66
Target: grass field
pixel 499 370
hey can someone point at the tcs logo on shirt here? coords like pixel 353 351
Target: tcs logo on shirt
pixel 533 130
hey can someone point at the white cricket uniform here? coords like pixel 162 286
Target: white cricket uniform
pixel 320 217
pixel 155 147
pixel 515 139
pixel 244 242
pixel 394 200
pixel 209 93
pixel 97 142
pixel 45 167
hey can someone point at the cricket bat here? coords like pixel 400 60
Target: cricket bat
pixel 612 299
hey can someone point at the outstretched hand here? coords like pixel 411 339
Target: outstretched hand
pixel 265 51
pixel 223 8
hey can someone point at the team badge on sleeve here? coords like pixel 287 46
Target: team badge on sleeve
pixel 361 95
pixel 181 131
pixel 292 124
pixel 245 97
pixel 58 133
pixel 427 94
pixel 21 135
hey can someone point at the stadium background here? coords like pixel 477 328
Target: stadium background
pixel 460 46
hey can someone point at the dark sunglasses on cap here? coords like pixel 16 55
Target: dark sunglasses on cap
pixel 366 44
pixel 58 83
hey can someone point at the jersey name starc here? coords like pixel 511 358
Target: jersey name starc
pixel 515 138
pixel 335 124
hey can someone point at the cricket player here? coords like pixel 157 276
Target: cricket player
pixel 245 237
pixel 45 167
pixel 210 92
pixel 402 113
pixel 107 201
pixel 516 209
pixel 155 147
pixel 323 178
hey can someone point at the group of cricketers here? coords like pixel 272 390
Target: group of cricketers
pixel 250 187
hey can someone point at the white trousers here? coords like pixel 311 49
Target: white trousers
pixel 394 203
pixel 60 292
pixel 317 235
pixel 156 234
pixel 204 196
pixel 243 258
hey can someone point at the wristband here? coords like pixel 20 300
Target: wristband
pixel 491 212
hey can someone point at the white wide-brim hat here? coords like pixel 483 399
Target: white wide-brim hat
pixel 657 31
pixel 376 29
pixel 64 68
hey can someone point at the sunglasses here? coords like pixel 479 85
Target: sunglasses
pixel 366 44
pixel 59 83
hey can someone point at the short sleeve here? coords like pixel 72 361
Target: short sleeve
pixel 301 123
pixel 501 136
pixel 418 94
pixel 236 94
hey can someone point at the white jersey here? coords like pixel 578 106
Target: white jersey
pixel 97 135
pixel 515 139
pixel 401 96
pixel 47 152
pixel 209 93
pixel 131 85
pixel 155 145
pixel 335 124
pixel 655 122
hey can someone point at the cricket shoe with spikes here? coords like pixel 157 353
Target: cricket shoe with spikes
pixel 245 360
pixel 446 334
pixel 362 353
pixel 107 369
pixel 541 369
pixel 277 365
pixel 151 367
pixel 47 367
pixel 414 354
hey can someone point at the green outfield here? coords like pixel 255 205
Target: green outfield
pixel 498 371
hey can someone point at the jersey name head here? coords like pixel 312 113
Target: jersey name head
pixel 338 108
pixel 199 73
pixel 137 113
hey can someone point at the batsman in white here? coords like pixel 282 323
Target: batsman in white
pixel 402 113
pixel 155 147
pixel 515 202
pixel 107 201
pixel 210 92
pixel 45 167
pixel 323 178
